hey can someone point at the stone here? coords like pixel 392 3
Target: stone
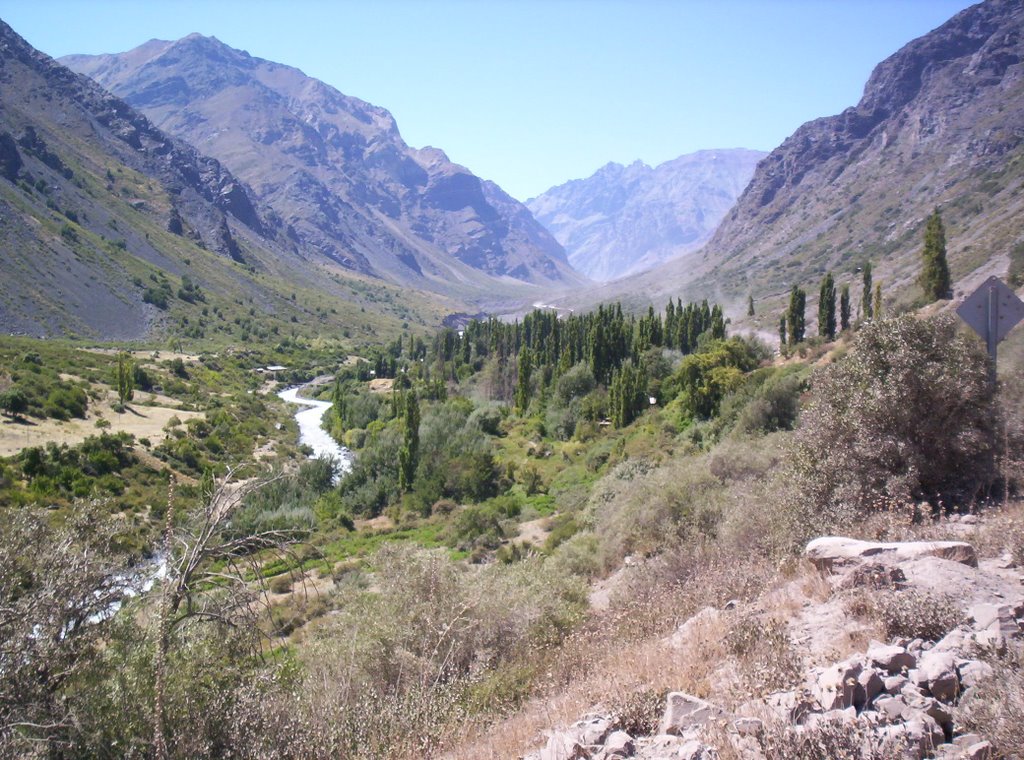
pixel 619 744
pixel 981 751
pixel 564 746
pixel 683 712
pixel 592 730
pixel 832 552
pixel 697 629
pixel 891 659
pixel 894 684
pixel 974 672
pixel 937 668
pixel 872 684
pixel 837 687
pixel 892 708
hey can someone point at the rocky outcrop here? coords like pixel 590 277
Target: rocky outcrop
pixel 626 219
pixel 900 697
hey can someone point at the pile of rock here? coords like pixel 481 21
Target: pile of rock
pixel 899 697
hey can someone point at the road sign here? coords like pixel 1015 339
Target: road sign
pixel 1009 309
pixel 992 311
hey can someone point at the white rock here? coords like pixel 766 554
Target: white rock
pixel 683 711
pixel 892 659
pixel 619 744
pixel 831 552
pixel 937 668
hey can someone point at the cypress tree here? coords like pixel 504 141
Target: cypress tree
pixel 934 279
pixel 408 454
pixel 795 318
pixel 844 308
pixel 125 377
pixel 878 300
pixel 827 308
pixel 865 298
pixel 750 306
pixel 522 398
pixel 782 329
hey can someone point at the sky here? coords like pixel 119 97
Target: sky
pixel 533 93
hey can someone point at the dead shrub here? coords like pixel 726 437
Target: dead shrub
pixel 916 614
pixel 995 707
pixel 833 740
pixel 639 712
pixel 768 660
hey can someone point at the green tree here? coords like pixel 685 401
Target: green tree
pixel 408 454
pixel 878 300
pixel 525 368
pixel 827 308
pixel 782 330
pixel 125 377
pixel 934 278
pixel 795 317
pixel 844 308
pixel 750 306
pixel 865 296
pixel 13 402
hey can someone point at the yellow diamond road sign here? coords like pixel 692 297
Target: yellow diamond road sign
pixel 1006 309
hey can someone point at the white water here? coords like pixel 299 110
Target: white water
pixel 314 436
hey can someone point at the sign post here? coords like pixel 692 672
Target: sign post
pixel 992 311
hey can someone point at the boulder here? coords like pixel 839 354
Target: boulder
pixel 563 745
pixel 683 712
pixel 592 730
pixel 937 669
pixel 891 659
pixel 838 688
pixel 832 552
pixel 619 744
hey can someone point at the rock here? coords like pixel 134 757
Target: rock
pixel 892 708
pixel 920 736
pixel 980 751
pixel 891 659
pixel 593 730
pixel 619 744
pixel 683 711
pixel 564 746
pixel 831 552
pixel 664 747
pixel 871 683
pixel 937 669
pixel 837 687
pixel 894 684
pixel 974 672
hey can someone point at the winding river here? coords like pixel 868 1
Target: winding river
pixel 310 432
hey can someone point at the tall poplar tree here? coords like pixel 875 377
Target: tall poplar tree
pixel 934 278
pixel 523 381
pixel 408 454
pixel 782 329
pixel 125 377
pixel 795 317
pixel 827 308
pixel 865 297
pixel 844 308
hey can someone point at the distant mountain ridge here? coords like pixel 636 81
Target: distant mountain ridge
pixel 333 168
pixel 626 219
pixel 940 125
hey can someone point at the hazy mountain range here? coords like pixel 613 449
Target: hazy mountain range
pixel 626 219
pixel 940 125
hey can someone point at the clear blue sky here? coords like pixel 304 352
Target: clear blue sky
pixel 537 92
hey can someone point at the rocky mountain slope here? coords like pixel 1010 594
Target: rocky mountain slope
pixel 110 228
pixel 627 219
pixel 940 125
pixel 335 169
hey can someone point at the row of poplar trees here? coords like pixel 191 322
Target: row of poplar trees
pixel 934 281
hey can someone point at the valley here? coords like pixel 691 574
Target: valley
pixel 683 460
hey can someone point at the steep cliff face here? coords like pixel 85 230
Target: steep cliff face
pixel 626 219
pixel 940 125
pixel 334 168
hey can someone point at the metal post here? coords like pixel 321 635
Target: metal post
pixel 992 332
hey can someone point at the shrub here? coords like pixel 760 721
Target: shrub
pixel 905 416
pixel 916 614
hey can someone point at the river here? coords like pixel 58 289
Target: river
pixel 312 434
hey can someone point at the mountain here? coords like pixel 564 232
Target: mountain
pixel 111 229
pixel 334 169
pixel 940 125
pixel 626 219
